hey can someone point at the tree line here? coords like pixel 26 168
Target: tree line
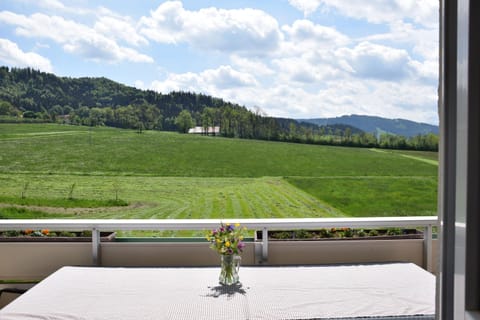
pixel 34 96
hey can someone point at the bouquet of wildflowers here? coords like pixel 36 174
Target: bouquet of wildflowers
pixel 228 239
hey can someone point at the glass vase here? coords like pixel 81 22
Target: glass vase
pixel 230 264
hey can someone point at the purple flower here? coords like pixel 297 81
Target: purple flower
pixel 230 228
pixel 240 245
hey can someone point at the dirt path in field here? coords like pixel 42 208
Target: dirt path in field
pixel 429 161
pixel 77 211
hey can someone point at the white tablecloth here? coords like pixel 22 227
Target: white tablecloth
pixel 317 292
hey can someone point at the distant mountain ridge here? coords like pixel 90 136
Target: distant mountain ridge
pixel 378 125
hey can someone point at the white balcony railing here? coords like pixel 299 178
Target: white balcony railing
pixel 97 225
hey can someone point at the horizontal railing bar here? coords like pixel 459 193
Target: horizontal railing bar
pixel 202 224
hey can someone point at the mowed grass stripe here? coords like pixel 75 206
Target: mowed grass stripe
pixel 161 197
pixel 247 205
pixel 267 205
pixel 235 204
pixel 258 205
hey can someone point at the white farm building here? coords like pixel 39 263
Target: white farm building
pixel 201 130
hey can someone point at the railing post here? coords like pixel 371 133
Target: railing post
pixel 96 257
pixel 428 248
pixel 264 244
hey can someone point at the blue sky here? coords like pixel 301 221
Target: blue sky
pixel 287 58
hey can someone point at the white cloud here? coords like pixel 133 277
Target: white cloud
pixel 304 69
pixel 409 100
pixel 57 6
pixel 227 77
pixel 248 31
pixel 308 53
pixel 305 31
pixel 427 70
pixel 423 12
pixel 75 37
pixel 370 60
pixel 165 24
pixel 188 81
pixel 95 48
pixel 51 4
pixel 211 81
pixel 121 28
pixel 12 55
pixel 139 84
pixel 297 99
pixel 425 41
pixel 39 45
pixel 307 6
pixel 252 66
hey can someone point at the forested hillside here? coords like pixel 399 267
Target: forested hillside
pixel 27 95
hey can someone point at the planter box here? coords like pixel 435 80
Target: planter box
pixel 105 236
pixel 407 247
pixel 319 235
pixel 345 252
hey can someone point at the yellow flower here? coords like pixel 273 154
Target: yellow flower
pixel 237 224
pixel 218 240
pixel 227 244
pixel 241 238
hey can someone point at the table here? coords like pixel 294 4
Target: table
pixel 390 291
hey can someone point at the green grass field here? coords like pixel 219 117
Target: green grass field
pixel 374 196
pixel 169 175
